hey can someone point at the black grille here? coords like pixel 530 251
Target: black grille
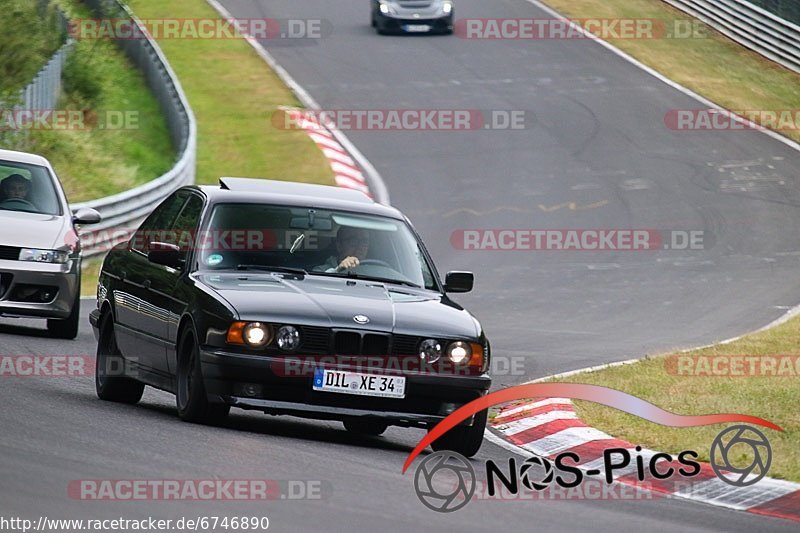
pixel 375 345
pixel 314 340
pixel 405 345
pixel 348 343
pixel 5 283
pixel 9 252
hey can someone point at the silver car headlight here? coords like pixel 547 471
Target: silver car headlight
pixel 447 8
pixel 288 338
pixel 43 256
pixel 387 9
pixel 430 351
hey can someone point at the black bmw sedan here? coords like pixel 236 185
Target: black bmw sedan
pixel 292 299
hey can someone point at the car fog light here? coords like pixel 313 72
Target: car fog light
pixel 448 408
pixel 288 338
pixel 430 351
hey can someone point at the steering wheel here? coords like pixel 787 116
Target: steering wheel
pixel 24 203
pixel 376 262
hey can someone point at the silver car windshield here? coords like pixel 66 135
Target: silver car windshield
pixel 27 188
pixel 320 242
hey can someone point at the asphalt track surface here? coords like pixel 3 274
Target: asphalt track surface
pixel 595 136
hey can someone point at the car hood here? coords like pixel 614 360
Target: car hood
pixel 31 230
pixel 334 302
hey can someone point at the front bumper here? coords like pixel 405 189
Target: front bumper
pixel 400 21
pixel 62 280
pixel 256 382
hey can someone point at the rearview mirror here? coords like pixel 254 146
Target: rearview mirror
pixel 459 281
pixel 162 253
pixel 86 215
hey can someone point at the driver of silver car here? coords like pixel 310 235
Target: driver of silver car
pixel 15 187
pixel 352 246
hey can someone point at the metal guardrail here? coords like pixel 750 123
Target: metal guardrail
pixel 750 25
pixel 125 210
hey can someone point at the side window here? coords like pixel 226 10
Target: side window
pixel 184 229
pixel 159 222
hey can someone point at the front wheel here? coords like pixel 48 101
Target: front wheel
pixel 191 399
pixel 465 440
pixel 109 381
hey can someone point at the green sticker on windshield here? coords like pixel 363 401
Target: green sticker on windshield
pixel 214 259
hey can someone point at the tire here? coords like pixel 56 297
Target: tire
pixel 465 440
pixel 372 428
pixel 68 327
pixel 113 388
pixel 190 396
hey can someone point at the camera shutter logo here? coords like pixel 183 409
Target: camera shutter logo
pixel 546 478
pixel 735 438
pixel 445 481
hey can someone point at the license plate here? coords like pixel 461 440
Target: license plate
pixel 416 28
pixel 359 384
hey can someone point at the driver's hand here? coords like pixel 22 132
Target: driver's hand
pixel 348 263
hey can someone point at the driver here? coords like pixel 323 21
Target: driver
pixel 15 187
pixel 352 246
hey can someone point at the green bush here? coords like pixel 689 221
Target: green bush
pixel 28 38
pixel 80 78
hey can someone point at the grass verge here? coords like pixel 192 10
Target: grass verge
pixel 710 64
pixel 688 392
pixel 233 94
pixel 100 154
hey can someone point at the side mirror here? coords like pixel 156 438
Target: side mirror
pixel 459 281
pixel 162 253
pixel 86 215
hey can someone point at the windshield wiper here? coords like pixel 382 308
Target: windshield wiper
pixel 352 275
pixel 286 270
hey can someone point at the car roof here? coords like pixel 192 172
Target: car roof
pixel 264 191
pixel 23 157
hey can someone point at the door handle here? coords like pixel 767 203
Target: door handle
pixel 123 275
pixel 146 284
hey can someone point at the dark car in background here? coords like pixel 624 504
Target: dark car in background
pixel 40 254
pixel 293 299
pixel 412 16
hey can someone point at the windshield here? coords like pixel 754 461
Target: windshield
pixel 27 188
pixel 320 242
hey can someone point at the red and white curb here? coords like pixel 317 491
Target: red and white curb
pixel 551 426
pixel 346 172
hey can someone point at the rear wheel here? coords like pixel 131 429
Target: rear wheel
pixel 465 440
pixel 109 382
pixel 365 427
pixel 67 328
pixel 191 399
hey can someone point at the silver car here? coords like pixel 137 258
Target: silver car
pixel 412 16
pixel 40 261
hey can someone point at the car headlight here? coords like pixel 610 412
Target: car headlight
pixel 466 353
pixel 251 334
pixel 257 334
pixel 43 256
pixel 430 351
pixel 386 9
pixel 288 338
pixel 447 8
